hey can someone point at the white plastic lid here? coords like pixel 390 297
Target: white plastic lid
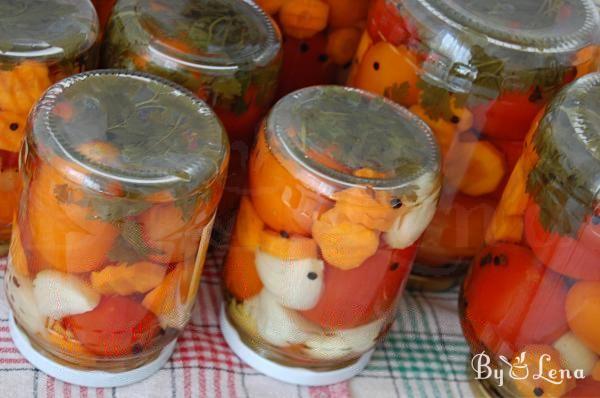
pixel 292 375
pixel 86 378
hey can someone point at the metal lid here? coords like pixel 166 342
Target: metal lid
pixel 224 35
pixel 142 131
pixel 335 132
pixel 553 26
pixel 565 180
pixel 570 130
pixel 48 30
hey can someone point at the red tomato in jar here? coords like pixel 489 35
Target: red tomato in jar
pixel 240 126
pixel 509 117
pixel 305 63
pixel 576 258
pixel 117 326
pixel 385 23
pixel 508 295
pixel 358 296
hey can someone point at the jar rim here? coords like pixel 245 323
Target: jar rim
pixel 278 126
pixel 39 38
pixel 191 168
pixel 574 32
pixel 223 59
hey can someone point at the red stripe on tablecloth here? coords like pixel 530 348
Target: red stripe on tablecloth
pixel 187 383
pixel 66 390
pixel 50 387
pixel 200 348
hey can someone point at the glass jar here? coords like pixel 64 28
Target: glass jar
pixel 320 39
pixel 41 42
pixel 122 173
pixel 478 72
pixel 227 52
pixel 342 184
pixel 535 287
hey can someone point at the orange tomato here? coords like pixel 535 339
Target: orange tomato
pixel 280 200
pixel 583 313
pixel 475 167
pixel 390 71
pixel 65 235
pixel 303 18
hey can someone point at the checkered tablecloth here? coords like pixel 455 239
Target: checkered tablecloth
pixel 424 355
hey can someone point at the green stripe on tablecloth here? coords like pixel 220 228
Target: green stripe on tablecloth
pixel 418 351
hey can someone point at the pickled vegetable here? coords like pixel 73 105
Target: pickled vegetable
pixel 121 180
pixel 41 42
pixel 342 186
pixel 533 292
pixel 478 73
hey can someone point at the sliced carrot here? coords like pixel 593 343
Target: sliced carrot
pixel 364 44
pixel 366 208
pixel 586 60
pixel 287 247
pixel 303 18
pixel 249 226
pixel 505 228
pixel 17 256
pixel 241 277
pixel 344 244
pixel 126 279
pixel 347 13
pixel 475 167
pixel 168 301
pixel 515 198
pixel 342 43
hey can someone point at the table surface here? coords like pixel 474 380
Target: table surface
pixel 425 355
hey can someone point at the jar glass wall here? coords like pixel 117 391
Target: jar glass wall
pixel 342 184
pixel 535 287
pixel 226 52
pixel 41 42
pixel 320 38
pixel 122 174
pixel 478 72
